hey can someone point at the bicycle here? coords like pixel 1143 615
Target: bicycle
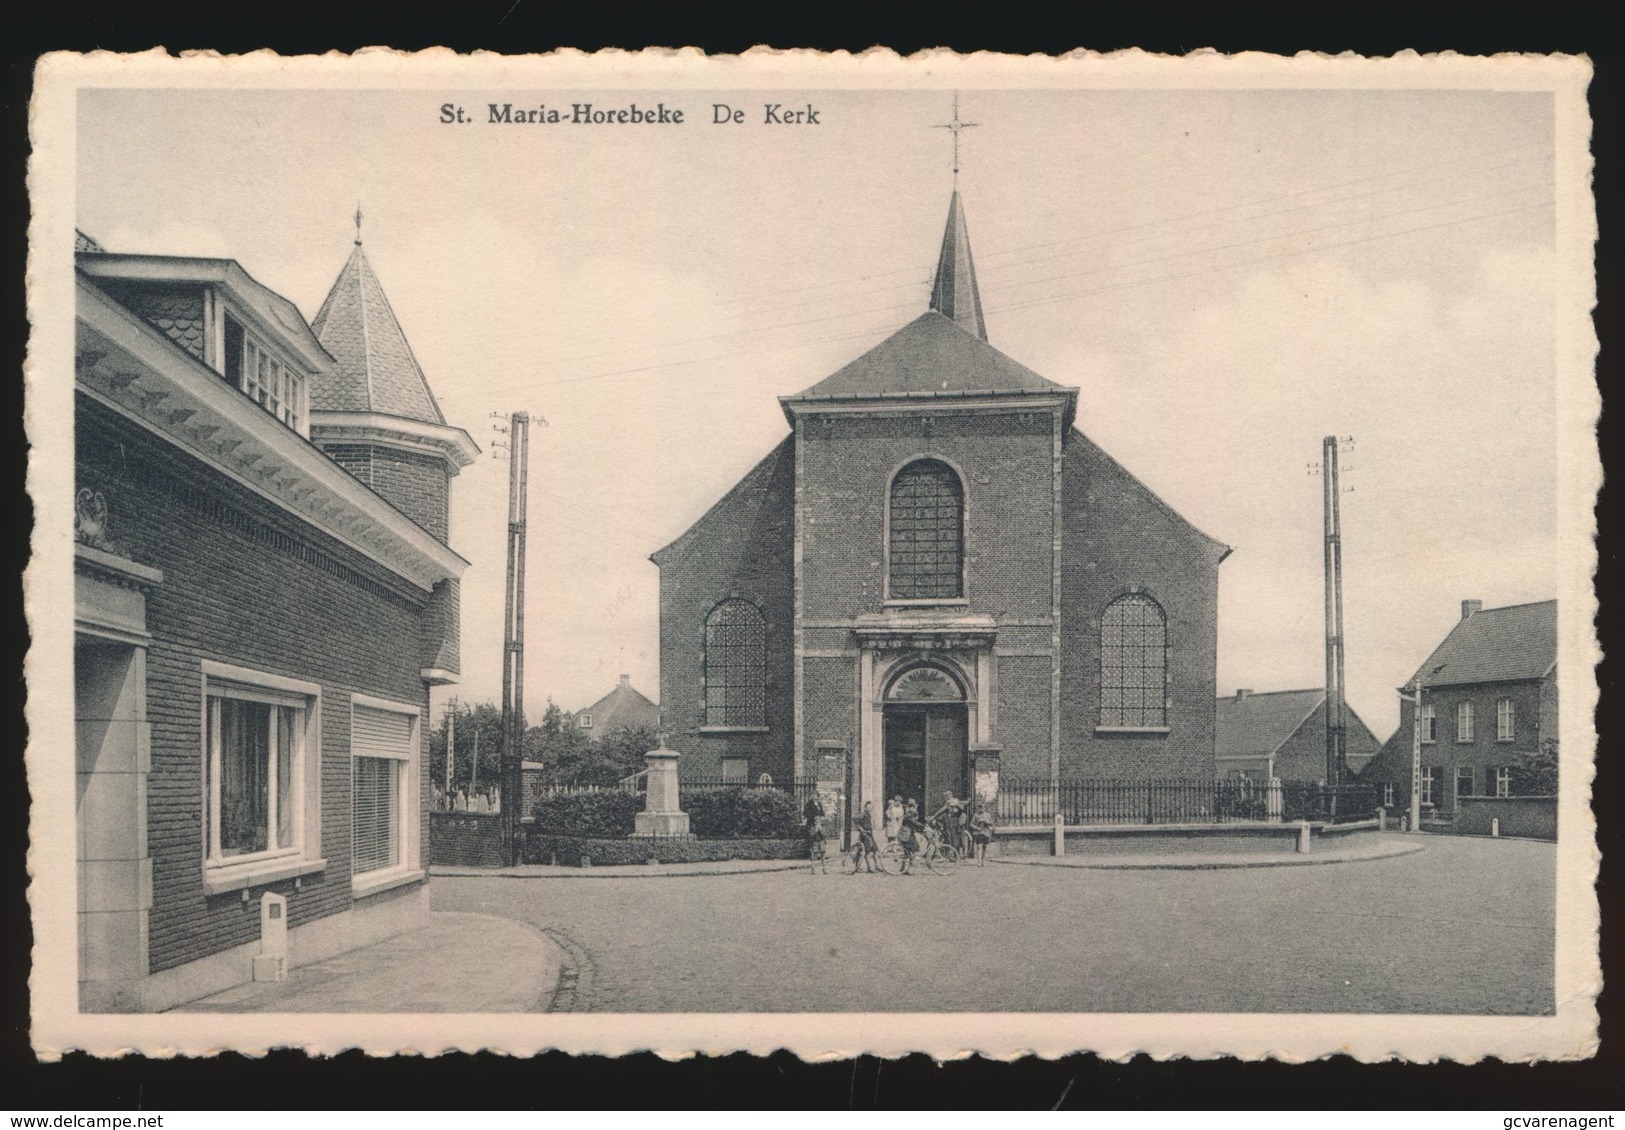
pixel 852 859
pixel 939 857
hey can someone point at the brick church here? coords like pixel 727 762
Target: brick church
pixel 938 577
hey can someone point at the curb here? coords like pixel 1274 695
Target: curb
pixel 1220 864
pixel 630 871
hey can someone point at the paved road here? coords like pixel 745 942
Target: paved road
pixel 1466 926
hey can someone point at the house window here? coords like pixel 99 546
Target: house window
pixel 1430 723
pixel 260 735
pixel 584 720
pixel 926 533
pixel 1464 721
pixel 266 380
pixel 1464 781
pixel 1430 784
pixel 735 770
pixel 383 763
pixel 735 666
pixel 1505 718
pixel 1133 663
pixel 1503 781
pixel 1388 794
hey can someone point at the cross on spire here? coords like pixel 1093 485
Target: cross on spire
pixel 954 127
pixel 358 223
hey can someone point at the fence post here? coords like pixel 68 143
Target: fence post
pixel 1303 837
pixel 1060 834
pixel 1382 818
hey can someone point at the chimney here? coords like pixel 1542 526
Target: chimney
pixel 626 680
pixel 1243 692
pixel 1468 607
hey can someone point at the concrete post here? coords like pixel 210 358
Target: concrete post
pixel 1060 834
pixel 1382 818
pixel 1303 837
pixel 662 814
pixel 271 963
pixel 1495 825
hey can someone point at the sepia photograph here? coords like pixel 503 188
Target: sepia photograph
pixel 841 554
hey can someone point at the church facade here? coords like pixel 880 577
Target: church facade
pixel 937 577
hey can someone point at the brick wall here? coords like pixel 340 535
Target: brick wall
pixel 1116 535
pixel 465 839
pixel 416 485
pixel 742 547
pixel 246 584
pixel 1483 754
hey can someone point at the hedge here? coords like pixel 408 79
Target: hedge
pixel 570 850
pixel 587 814
pixel 741 813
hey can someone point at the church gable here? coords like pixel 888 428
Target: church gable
pixel 768 486
pixel 1106 483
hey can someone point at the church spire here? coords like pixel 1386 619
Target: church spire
pixel 954 294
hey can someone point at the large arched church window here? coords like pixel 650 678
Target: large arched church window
pixel 1133 663
pixel 926 528
pixel 735 665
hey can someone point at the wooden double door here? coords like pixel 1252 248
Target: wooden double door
pixel 925 753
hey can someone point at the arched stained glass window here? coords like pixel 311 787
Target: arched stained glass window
pixel 926 530
pixel 735 665
pixel 1133 663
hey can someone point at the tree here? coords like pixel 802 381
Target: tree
pixel 483 719
pixel 1535 774
pixel 559 746
pixel 624 747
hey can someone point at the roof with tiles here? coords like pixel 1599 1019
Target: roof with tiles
pixel 1495 645
pixel 623 706
pixel 376 370
pixel 1259 724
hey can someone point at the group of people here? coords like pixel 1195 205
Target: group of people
pixel 969 833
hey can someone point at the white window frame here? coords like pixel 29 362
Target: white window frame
pixel 222 873
pixel 1472 782
pixel 1430 724
pixel 1506 720
pixel 409 869
pixel 1464 720
pixel 1430 777
pixel 1388 794
pixel 1503 781
pixel 284 392
pixel 583 721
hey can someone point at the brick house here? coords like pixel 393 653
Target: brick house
pixel 263 597
pixel 1282 734
pixel 937 573
pixel 624 707
pixel 1489 697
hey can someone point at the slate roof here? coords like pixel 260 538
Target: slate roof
pixel 1260 724
pixel 932 354
pixel 376 370
pixel 1493 646
pixel 623 706
pixel 954 293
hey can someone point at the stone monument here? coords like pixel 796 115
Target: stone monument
pixel 662 814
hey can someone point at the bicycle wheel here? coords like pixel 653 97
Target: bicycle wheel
pixel 891 858
pixel 849 860
pixel 944 860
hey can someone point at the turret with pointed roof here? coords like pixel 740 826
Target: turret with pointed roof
pixel 954 294
pixel 374 414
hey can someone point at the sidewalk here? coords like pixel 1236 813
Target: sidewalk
pixel 632 870
pixel 1350 849
pixel 457 963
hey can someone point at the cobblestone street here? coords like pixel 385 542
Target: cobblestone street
pixel 1465 926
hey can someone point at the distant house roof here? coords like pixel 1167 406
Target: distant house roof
pixel 623 706
pixel 376 371
pixel 1256 725
pixel 1495 645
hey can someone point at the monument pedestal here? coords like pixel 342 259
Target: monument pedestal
pixel 662 816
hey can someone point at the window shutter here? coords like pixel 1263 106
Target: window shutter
pixel 380 733
pixel 380 743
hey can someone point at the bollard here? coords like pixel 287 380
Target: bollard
pixel 271 963
pixel 1060 834
pixel 1495 825
pixel 1303 837
pixel 1382 819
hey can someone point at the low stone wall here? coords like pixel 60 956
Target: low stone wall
pixel 1530 817
pixel 570 851
pixel 465 839
pixel 1153 839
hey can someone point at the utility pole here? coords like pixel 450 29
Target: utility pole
pixel 1336 725
pixel 451 743
pixel 1416 760
pixel 513 641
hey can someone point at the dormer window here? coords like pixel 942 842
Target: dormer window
pixel 263 377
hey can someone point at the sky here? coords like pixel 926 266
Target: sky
pixel 1227 277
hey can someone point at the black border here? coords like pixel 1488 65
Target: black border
pixel 781 1081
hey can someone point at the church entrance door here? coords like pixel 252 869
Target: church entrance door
pixel 925 751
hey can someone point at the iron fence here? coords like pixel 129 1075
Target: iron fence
pixel 800 788
pixel 1179 801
